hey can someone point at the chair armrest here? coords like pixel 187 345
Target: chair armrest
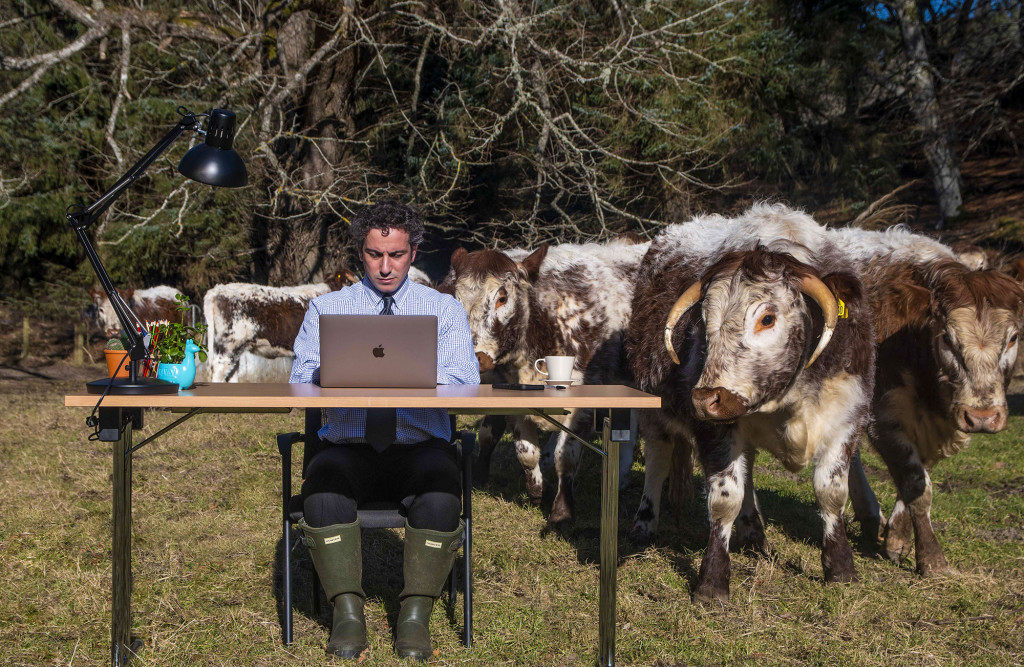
pixel 285 442
pixel 467 443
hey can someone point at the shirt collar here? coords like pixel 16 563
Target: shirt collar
pixel 377 298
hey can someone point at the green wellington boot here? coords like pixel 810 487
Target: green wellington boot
pixel 338 558
pixel 429 555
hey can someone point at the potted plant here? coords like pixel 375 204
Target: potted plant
pixel 175 345
pixel 117 358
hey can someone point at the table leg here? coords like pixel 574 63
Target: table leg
pixel 122 647
pixel 609 546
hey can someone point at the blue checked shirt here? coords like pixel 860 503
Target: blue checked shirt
pixel 456 362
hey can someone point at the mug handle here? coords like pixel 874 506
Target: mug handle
pixel 537 368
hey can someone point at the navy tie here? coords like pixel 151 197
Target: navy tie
pixel 380 422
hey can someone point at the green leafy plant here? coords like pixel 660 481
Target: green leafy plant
pixel 172 336
pixel 115 344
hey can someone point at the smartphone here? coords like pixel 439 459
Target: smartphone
pixel 517 387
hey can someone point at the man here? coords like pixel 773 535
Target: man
pixel 402 455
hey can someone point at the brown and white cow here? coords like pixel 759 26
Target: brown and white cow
pixel 737 325
pixel 562 300
pixel 947 343
pixel 150 305
pixel 251 328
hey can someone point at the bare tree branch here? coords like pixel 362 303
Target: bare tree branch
pixel 122 93
pixel 53 57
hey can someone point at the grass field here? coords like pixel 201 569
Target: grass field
pixel 207 559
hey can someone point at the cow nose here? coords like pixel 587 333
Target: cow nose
pixel 717 403
pixel 485 361
pixel 991 420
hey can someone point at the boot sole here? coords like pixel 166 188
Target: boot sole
pixel 348 654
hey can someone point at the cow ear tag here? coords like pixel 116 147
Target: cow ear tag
pixel 844 312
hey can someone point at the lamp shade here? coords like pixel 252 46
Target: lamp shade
pixel 215 162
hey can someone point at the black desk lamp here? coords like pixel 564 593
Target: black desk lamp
pixel 213 163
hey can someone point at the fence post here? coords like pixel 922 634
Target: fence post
pixel 77 357
pixel 26 333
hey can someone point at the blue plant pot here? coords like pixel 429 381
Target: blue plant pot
pixel 183 374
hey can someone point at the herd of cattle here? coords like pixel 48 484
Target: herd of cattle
pixel 762 332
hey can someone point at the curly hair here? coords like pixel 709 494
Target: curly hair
pixel 386 216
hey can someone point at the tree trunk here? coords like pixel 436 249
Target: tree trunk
pixel 297 243
pixel 938 143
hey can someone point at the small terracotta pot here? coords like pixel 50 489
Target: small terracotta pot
pixel 115 357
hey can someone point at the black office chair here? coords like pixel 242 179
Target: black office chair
pixel 371 515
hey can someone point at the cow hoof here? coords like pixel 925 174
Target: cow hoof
pixel 560 515
pixel 934 568
pixel 535 492
pixel 641 537
pixel 897 552
pixel 842 576
pixel 707 594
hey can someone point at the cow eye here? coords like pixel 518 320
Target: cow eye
pixel 1013 341
pixel 766 322
pixel 502 298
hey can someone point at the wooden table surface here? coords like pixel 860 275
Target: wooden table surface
pixel 283 395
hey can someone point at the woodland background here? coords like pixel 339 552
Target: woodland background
pixel 507 123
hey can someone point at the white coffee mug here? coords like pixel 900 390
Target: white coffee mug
pixel 559 369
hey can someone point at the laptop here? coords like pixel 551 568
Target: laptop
pixel 393 351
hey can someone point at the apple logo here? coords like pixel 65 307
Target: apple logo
pixel 378 351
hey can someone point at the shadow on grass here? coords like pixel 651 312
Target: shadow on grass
pixel 683 532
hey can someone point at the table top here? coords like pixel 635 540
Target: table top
pixel 284 395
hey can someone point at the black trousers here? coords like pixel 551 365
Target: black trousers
pixel 423 477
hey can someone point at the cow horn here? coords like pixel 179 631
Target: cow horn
pixel 682 304
pixel 822 295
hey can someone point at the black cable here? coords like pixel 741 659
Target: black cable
pixel 91 420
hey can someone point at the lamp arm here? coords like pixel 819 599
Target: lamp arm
pixel 131 325
pixel 81 218
pixel 88 216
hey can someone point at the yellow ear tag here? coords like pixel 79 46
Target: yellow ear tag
pixel 843 311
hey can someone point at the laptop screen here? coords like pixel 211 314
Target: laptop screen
pixel 394 351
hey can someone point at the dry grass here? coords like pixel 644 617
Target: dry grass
pixel 207 558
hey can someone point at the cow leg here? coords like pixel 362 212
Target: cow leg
pixel 914 487
pixel 831 487
pixel 567 456
pixel 626 451
pixel 917 495
pixel 898 533
pixel 492 427
pixel 657 466
pixel 567 459
pixel 725 467
pixel 866 510
pixel 750 523
pixel 681 480
pixel 528 452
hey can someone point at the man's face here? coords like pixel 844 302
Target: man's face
pixel 387 259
